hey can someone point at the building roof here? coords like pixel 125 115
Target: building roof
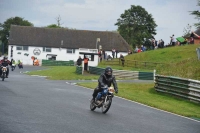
pixel 65 38
pixel 198 31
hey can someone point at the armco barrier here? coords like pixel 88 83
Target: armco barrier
pixel 79 70
pixel 96 70
pixel 57 63
pixel 124 74
pixel 185 88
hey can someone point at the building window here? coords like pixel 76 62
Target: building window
pixel 46 49
pixel 71 51
pixel 24 48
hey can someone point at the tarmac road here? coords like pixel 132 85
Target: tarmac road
pixel 31 104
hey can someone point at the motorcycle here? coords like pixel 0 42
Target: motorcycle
pixel 4 70
pixel 103 100
pixel 20 65
pixel 13 67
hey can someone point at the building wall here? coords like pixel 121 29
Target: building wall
pixel 62 54
pixel 196 41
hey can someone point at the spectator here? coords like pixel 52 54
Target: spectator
pixel 143 48
pixel 122 59
pixel 173 40
pixel 116 52
pixel 79 61
pixel 113 53
pixel 152 44
pixel 100 55
pixel 129 52
pixel 162 43
pixel 104 54
pixel 191 40
pixel 136 49
pixel 109 57
pixel 85 63
pixel 159 44
pixel 139 50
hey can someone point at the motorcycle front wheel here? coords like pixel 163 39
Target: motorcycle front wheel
pixel 3 76
pixel 106 105
pixel 92 106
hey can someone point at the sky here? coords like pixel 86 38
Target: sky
pixel 171 16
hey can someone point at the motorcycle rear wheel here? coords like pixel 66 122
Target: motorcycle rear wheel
pixel 92 106
pixel 106 106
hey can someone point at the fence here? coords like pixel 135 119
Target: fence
pixel 123 74
pixel 185 88
pixel 57 63
pixel 134 63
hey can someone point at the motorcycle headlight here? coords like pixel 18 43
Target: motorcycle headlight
pixel 4 68
pixel 111 90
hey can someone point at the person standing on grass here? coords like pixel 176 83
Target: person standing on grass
pixel 79 61
pixel 85 63
pixel 173 40
pixel 122 59
pixel 113 53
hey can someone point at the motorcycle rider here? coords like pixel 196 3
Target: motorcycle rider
pixel 13 63
pixel 5 62
pixel 105 80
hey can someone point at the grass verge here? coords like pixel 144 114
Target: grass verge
pixel 63 73
pixel 146 94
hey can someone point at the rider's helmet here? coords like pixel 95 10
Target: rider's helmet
pixel 108 71
pixel 5 58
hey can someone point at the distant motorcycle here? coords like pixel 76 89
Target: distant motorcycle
pixel 4 70
pixel 103 100
pixel 20 65
pixel 13 67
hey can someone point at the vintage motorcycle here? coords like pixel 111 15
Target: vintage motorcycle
pixel 103 100
pixel 4 70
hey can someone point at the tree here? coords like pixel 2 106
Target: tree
pixel 5 27
pixel 58 19
pixel 53 26
pixel 197 14
pixel 135 24
pixel 58 25
pixel 187 31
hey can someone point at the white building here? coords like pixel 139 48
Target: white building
pixel 61 44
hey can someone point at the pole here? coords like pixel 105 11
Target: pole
pixel 2 48
pixel 96 44
pixel 154 75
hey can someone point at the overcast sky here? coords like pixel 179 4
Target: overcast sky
pixel 171 16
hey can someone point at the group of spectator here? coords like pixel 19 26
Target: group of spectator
pixel 154 45
pixel 79 62
pixel 103 56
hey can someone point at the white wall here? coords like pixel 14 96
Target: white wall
pixel 62 55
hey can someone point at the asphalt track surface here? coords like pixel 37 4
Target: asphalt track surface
pixel 31 104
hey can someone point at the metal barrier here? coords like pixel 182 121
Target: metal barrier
pixel 79 70
pixel 124 74
pixel 185 88
pixel 134 63
pixel 57 63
